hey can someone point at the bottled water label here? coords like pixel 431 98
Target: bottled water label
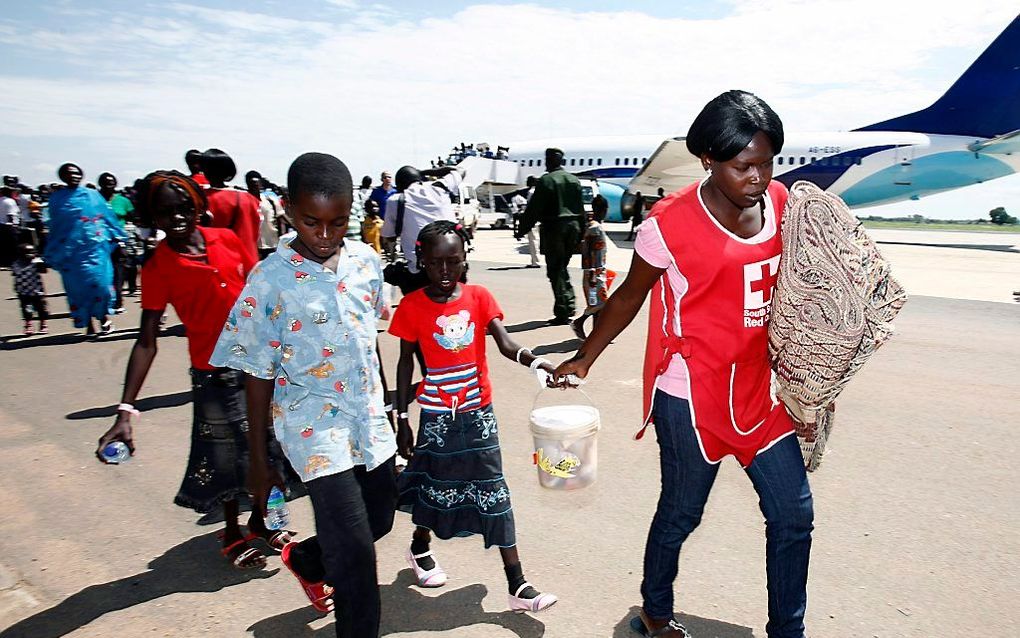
pixel 116 453
pixel 277 515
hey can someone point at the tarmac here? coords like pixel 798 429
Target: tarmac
pixel 917 515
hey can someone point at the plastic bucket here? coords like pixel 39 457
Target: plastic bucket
pixel 566 445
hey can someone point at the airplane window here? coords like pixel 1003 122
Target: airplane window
pixel 599 160
pixel 617 162
pixel 635 161
pixel 824 161
pixel 802 160
pixel 780 161
pixel 590 161
pixel 644 160
pixel 790 160
pixel 626 161
pixel 858 159
pixel 814 159
pixel 571 161
pixel 529 162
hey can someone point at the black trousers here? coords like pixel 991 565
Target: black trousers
pixel 37 302
pixel 353 509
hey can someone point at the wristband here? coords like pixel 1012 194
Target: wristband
pixel 537 362
pixel 388 408
pixel 402 415
pixel 519 351
pixel 127 407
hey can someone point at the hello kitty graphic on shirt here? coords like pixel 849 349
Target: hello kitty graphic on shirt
pixel 458 331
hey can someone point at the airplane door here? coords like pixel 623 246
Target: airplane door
pixel 903 160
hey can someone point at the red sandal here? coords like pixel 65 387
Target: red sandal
pixel 320 595
pixel 250 558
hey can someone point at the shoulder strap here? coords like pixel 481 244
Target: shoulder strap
pixel 400 215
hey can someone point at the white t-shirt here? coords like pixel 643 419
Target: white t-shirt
pixel 10 212
pixel 425 202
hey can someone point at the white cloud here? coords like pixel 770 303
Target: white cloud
pixel 380 91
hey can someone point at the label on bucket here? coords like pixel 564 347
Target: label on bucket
pixel 560 469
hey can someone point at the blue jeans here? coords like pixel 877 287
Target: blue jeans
pixel 784 498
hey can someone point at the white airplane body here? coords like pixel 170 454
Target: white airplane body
pixel 969 136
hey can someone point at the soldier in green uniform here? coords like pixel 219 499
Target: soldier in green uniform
pixel 557 204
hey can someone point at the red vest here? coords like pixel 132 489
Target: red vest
pixel 719 326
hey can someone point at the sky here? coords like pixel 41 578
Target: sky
pixel 127 87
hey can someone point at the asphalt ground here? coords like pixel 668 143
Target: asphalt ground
pixel 917 514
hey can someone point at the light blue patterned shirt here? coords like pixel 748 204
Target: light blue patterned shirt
pixel 314 332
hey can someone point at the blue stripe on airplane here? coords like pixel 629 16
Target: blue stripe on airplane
pixel 824 175
pixel 607 172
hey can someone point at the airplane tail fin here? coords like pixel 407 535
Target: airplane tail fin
pixel 983 102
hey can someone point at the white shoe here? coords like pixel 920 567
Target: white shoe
pixel 434 577
pixel 538 603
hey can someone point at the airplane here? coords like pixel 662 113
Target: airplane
pixel 968 136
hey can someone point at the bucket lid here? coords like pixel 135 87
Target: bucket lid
pixel 564 421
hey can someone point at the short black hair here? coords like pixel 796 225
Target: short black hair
pixel 600 204
pixel 319 174
pixel 104 176
pixel 218 166
pixel 434 231
pixel 250 174
pixel 64 168
pixel 727 123
pixel 366 181
pixel 406 175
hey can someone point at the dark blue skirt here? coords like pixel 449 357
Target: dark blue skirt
pixel 454 485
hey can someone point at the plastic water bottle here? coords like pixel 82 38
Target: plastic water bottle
pixel 116 453
pixel 277 515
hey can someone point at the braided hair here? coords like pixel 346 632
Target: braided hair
pixel 151 184
pixel 434 231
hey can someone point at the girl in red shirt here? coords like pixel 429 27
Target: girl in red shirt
pixel 453 484
pixel 231 208
pixel 710 254
pixel 200 271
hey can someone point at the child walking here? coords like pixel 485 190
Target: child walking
pixel 200 271
pixel 28 285
pixel 304 331
pixel 453 484
pixel 593 261
pixel 371 228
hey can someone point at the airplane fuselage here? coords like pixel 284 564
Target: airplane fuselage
pixel 865 168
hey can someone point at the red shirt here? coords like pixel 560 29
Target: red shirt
pixel 201 288
pixel 200 179
pixel 238 211
pixel 719 324
pixel 452 339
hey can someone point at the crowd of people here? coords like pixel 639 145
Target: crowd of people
pixel 281 291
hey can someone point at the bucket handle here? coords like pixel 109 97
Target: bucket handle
pixel 538 395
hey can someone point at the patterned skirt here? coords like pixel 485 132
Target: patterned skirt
pixel 218 461
pixel 454 485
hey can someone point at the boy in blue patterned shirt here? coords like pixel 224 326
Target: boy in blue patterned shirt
pixel 304 331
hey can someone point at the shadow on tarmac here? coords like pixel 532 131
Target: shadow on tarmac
pixel 405 609
pixel 17 342
pixel 526 326
pixel 569 345
pixel 696 625
pixel 143 405
pixel 194 566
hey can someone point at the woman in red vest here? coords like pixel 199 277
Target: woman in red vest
pixel 710 254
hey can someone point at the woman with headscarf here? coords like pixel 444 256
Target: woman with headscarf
pixel 709 254
pixel 83 232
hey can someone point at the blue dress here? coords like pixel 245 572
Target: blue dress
pixel 82 233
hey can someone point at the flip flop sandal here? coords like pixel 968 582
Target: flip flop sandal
pixel 538 603
pixel 434 577
pixel 638 626
pixel 247 559
pixel 319 594
pixel 280 538
pixel 277 539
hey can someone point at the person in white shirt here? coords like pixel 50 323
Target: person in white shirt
pixel 417 204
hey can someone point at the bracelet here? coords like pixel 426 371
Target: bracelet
pixel 402 415
pixel 388 408
pixel 537 362
pixel 127 407
pixel 519 351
